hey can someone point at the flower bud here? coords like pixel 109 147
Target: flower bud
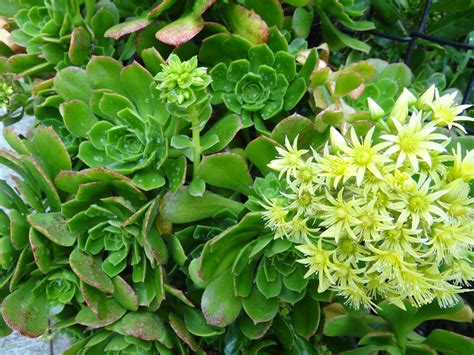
pixel 409 185
pixel 375 111
pixel 411 98
pixel 400 109
pixel 457 190
pixel 338 142
pixel 426 99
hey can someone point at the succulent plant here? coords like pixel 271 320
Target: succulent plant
pixel 257 82
pixel 121 121
pixel 386 85
pixel 95 260
pixel 35 240
pixel 59 34
pixel 251 21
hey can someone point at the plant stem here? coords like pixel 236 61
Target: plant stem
pixel 196 130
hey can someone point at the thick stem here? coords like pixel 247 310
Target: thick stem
pixel 196 130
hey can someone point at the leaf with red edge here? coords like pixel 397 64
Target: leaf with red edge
pixel 270 10
pixel 182 332
pixel 246 23
pixel 127 27
pixel 181 30
pixel 163 6
pixel 146 326
pixel 201 6
pixel 88 269
pixel 26 311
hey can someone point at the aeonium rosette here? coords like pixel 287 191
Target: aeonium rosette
pixel 34 239
pixel 58 34
pixel 256 81
pixel 121 121
pixel 385 216
pixel 106 213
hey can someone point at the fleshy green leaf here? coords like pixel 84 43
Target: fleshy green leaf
pixel 259 308
pixel 137 81
pixel 127 27
pixel 50 151
pixel 79 46
pixel 146 326
pixel 292 127
pixel 78 117
pixel 302 22
pixel 180 31
pixel 251 330
pixel 71 83
pixel 261 152
pixel 338 40
pixel 345 325
pixel 219 303
pixel 104 73
pixel 294 94
pixel 124 294
pixel 226 170
pixel 306 314
pixel 181 207
pixel 54 227
pixel 197 325
pixel 347 82
pixel 220 252
pixel 88 269
pixel 26 311
pixel 270 11
pixel 246 23
pixel 449 343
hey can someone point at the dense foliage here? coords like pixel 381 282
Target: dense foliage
pixel 235 176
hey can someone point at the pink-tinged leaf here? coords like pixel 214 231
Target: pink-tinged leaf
pixel 270 10
pixel 165 5
pixel 146 326
pixel 201 6
pixel 181 30
pixel 182 332
pixel 127 27
pixel 88 269
pixel 246 23
pixel 26 311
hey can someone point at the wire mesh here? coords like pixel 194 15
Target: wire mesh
pixel 419 33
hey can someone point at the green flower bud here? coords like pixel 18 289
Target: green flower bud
pixel 400 109
pixel 426 99
pixel 375 111
pixel 410 97
pixel 338 142
pixel 457 190
pixel 183 84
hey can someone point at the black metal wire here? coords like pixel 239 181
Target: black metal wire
pixel 411 39
pixel 447 42
pixel 421 26
pixel 468 92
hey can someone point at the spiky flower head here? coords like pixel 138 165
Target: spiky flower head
pixel 400 224
pixel 445 111
pixel 180 82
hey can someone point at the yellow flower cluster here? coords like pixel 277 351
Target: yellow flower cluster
pixel 385 217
